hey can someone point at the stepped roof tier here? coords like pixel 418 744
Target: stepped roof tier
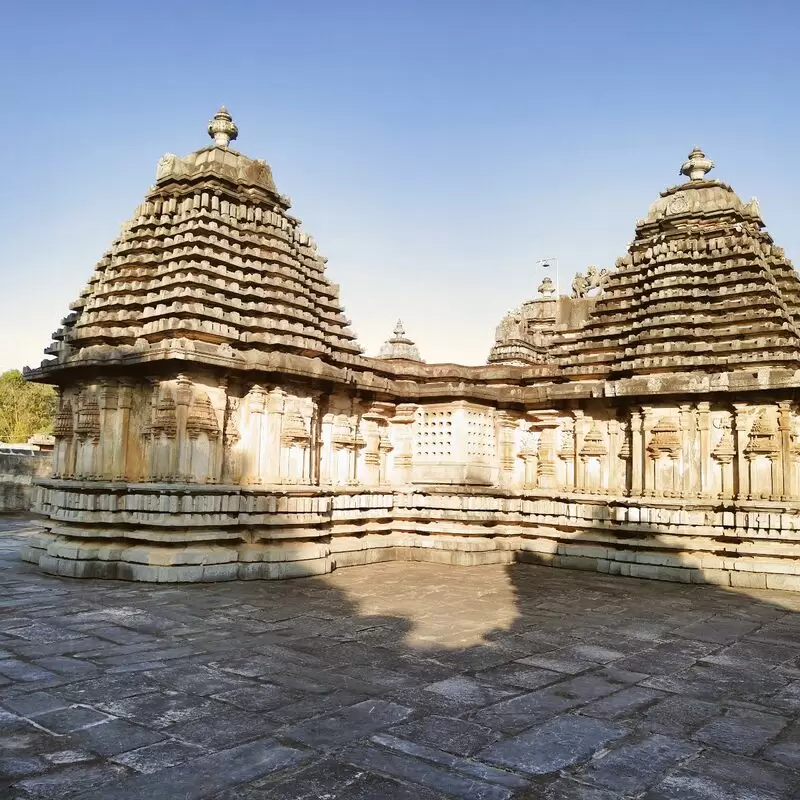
pixel 211 259
pixel 702 287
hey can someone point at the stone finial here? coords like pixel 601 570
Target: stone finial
pixel 399 330
pixel 697 165
pixel 547 287
pixel 222 129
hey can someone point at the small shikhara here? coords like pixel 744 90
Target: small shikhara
pixel 219 421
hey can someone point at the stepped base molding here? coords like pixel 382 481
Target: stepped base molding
pixel 169 533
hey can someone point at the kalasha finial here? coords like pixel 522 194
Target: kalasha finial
pixel 697 165
pixel 222 129
pixel 399 330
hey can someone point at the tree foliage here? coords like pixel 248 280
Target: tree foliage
pixel 25 408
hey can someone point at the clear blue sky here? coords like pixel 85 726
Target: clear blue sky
pixel 435 148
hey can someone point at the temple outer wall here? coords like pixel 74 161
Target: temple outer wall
pixel 17 476
pixel 193 478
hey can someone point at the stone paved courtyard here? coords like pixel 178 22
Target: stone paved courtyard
pixel 392 681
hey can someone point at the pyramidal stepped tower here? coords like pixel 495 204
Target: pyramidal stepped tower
pixel 218 420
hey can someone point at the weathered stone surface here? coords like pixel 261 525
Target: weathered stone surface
pixel 634 767
pixel 743 731
pixel 559 743
pixel 349 723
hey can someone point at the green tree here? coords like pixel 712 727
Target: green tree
pixel 25 408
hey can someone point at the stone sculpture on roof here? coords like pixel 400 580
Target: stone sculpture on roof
pixel 219 421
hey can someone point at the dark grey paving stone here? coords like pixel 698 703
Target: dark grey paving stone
pixel 28 705
pixel 787 700
pixel 627 702
pixel 665 659
pixel 22 671
pixel 713 682
pixel 161 755
pixel 559 662
pixel 88 780
pixel 719 629
pixel 634 767
pixel 14 767
pixel 422 773
pixel 206 775
pixel 556 744
pixel 109 688
pixel 257 697
pixel 743 731
pixel 715 774
pixel 224 730
pixel 347 724
pixel 70 667
pixel 568 789
pixel 520 675
pixel 42 632
pixel 195 679
pixel 446 733
pixel 314 706
pixel 518 713
pixel 330 780
pixel 678 716
pixel 70 719
pixel 470 691
pixel 116 736
pixel 463 766
pixel 162 709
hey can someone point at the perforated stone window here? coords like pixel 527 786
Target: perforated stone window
pixel 480 435
pixel 433 431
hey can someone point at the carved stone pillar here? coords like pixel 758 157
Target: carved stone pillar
pixel 724 454
pixel 254 453
pixel 567 453
pixel 401 425
pixel 687 483
pixel 64 432
pixel 637 453
pixel 547 455
pixel 326 466
pixel 231 437
pixel 581 426
pixel 182 452
pixel 703 428
pixel 506 427
pixel 740 420
pixel 649 467
pixel 614 465
pixel 110 437
pixel 271 438
pixel 372 420
pixel 786 455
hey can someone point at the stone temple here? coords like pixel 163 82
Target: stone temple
pixel 218 419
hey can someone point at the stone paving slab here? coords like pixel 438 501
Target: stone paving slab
pixel 397 681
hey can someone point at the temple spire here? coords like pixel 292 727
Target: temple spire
pixel 400 346
pixel 222 129
pixel 697 165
